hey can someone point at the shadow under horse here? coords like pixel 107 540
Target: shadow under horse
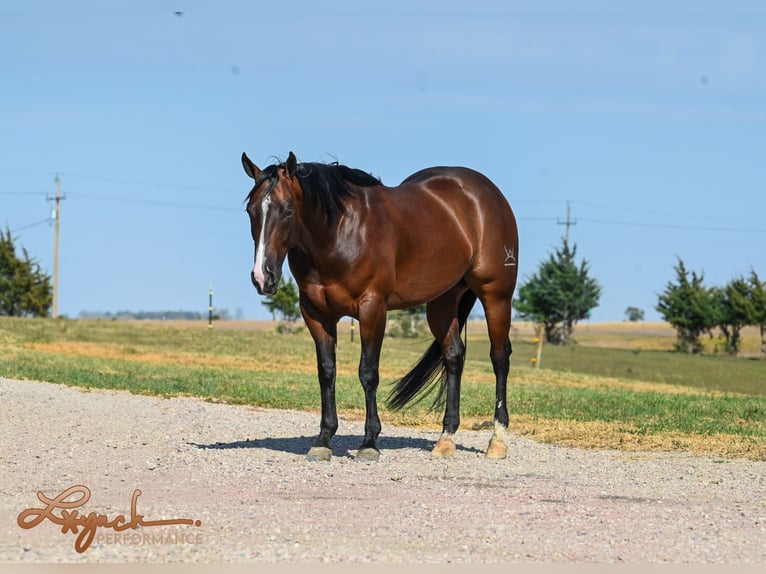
pixel 446 236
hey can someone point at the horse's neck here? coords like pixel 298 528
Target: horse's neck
pixel 316 239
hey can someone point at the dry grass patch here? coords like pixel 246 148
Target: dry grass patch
pixel 75 348
pixel 597 435
pixel 275 363
pixel 625 437
pixel 575 380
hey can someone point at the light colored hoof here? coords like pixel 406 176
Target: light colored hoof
pixel 321 453
pixel 444 448
pixel 368 455
pixel 496 449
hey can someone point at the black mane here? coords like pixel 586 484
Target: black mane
pixel 267 174
pixel 327 185
pixel 324 185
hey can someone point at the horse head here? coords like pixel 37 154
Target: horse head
pixel 273 207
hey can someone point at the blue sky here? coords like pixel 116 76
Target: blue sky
pixel 648 117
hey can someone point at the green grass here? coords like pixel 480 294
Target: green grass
pixel 239 386
pixel 720 373
pixel 580 384
pixel 647 412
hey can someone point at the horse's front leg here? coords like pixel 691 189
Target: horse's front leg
pixel 325 337
pixel 372 328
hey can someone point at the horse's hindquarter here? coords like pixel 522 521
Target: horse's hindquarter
pixel 447 224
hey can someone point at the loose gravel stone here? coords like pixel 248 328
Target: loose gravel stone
pixel 241 472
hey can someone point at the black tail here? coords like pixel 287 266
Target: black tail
pixel 429 370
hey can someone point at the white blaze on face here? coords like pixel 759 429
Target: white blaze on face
pixel 258 268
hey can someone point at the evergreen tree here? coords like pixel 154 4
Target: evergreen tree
pixel 689 307
pixel 25 291
pixel 757 296
pixel 733 309
pixel 559 294
pixel 285 302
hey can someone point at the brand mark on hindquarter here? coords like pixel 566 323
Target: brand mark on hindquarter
pixel 510 257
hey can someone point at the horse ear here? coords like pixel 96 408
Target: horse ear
pixel 291 164
pixel 250 168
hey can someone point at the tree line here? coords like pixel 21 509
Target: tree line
pixel 557 296
pixel 695 309
pixel 143 315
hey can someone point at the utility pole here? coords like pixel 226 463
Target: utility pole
pixel 57 224
pixel 569 222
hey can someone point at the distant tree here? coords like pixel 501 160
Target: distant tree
pixel 688 306
pixel 408 323
pixel 221 315
pixel 559 294
pixel 285 303
pixel 25 290
pixel 733 309
pixel 145 315
pixel 757 295
pixel 634 314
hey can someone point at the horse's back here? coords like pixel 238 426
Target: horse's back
pixel 445 173
pixel 467 187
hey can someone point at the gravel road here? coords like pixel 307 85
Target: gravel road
pixel 240 472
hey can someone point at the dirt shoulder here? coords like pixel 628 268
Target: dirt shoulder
pixel 240 472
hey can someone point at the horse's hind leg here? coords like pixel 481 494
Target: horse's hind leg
pixel 498 313
pixel 442 314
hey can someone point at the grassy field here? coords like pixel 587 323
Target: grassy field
pixel 618 388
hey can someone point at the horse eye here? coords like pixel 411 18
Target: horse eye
pixel 287 212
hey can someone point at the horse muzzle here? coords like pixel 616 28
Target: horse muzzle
pixel 268 282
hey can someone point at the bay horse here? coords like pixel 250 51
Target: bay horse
pixel 444 237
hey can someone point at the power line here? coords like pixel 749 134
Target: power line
pixel 156 202
pixel 676 226
pixel 27 173
pixel 35 224
pixel 23 193
pixel 568 222
pixel 141 183
pixel 632 210
pixel 125 181
pixel 132 200
pixel 638 210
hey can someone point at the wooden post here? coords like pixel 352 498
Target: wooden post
pixel 539 347
pixel 210 309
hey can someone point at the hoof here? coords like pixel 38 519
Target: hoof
pixel 496 449
pixel 319 453
pixel 444 448
pixel 368 455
